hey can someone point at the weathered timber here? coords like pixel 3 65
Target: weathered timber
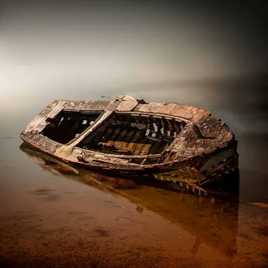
pixel 183 144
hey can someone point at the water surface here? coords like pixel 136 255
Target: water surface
pixel 50 215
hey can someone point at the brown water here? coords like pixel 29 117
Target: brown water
pixel 50 216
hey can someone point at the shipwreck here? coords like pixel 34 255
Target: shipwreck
pixel 182 145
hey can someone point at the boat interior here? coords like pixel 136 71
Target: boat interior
pixel 121 133
pixel 132 134
pixel 69 124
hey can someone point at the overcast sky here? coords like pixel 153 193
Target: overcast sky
pixel 128 41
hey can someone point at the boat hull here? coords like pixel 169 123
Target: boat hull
pixel 184 144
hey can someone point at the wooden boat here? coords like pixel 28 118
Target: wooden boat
pixel 183 144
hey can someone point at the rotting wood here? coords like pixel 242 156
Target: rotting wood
pixel 133 136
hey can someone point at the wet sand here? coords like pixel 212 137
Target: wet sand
pixel 52 216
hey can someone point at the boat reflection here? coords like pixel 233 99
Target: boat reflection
pixel 209 220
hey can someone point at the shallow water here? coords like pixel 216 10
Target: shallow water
pixel 50 215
